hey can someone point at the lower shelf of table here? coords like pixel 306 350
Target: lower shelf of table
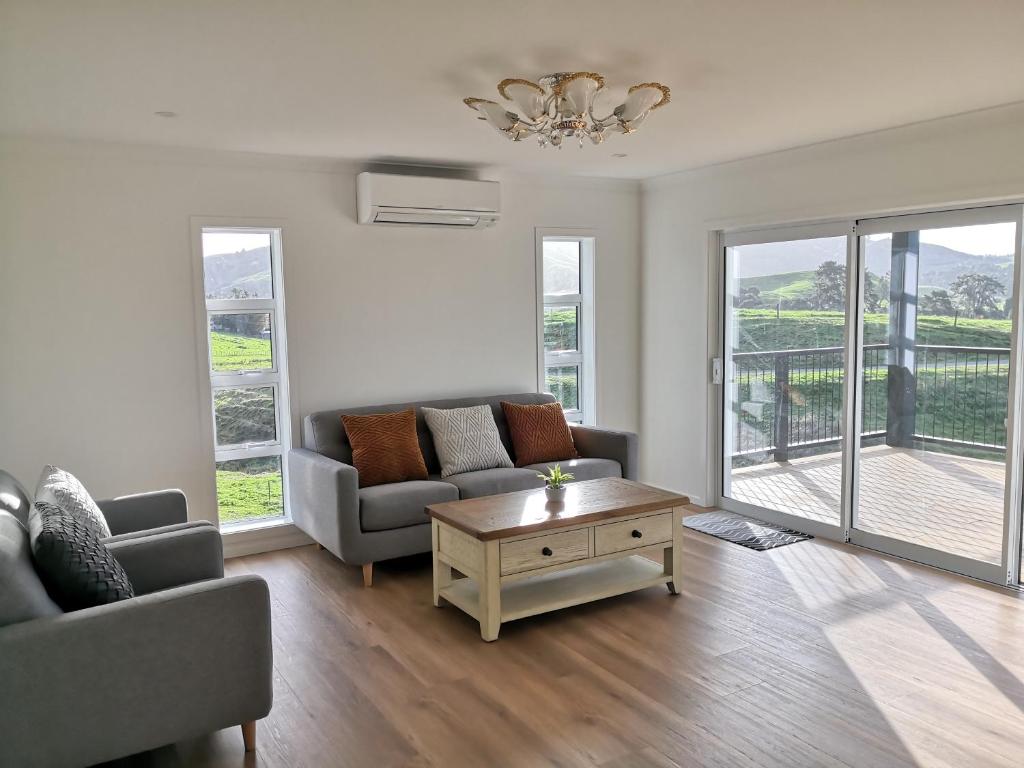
pixel 561 589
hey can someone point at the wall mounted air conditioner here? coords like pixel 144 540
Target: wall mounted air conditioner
pixel 383 198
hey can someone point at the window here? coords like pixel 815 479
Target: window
pixel 248 372
pixel 566 322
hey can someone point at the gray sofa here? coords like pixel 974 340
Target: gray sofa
pixel 364 525
pixel 190 654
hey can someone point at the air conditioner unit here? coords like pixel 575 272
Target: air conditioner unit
pixel 384 198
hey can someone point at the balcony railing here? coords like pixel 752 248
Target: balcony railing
pixel 792 399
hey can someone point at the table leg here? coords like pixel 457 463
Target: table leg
pixel 442 571
pixel 490 593
pixel 674 554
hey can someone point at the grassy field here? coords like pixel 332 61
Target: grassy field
pixel 764 329
pixel 248 496
pixel 233 352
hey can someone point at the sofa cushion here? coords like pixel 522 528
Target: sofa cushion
pixel 583 469
pixel 397 505
pixel 539 433
pixel 466 439
pixel 62 489
pixel 488 482
pixel 13 497
pixel 76 567
pixel 385 448
pixel 22 594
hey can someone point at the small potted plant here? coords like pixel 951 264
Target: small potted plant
pixel 555 481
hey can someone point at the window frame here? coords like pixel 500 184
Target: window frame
pixel 583 358
pixel 275 377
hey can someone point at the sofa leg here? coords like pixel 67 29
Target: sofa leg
pixel 249 735
pixel 368 575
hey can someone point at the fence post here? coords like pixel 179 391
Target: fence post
pixel 783 406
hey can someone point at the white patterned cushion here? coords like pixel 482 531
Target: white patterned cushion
pixel 466 439
pixel 62 489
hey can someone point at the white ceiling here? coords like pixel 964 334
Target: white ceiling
pixel 384 80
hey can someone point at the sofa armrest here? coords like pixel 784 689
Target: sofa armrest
pixel 171 557
pixel 597 443
pixel 141 511
pixel 125 677
pixel 324 496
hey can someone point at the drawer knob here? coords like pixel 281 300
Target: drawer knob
pixel 637 534
pixel 546 552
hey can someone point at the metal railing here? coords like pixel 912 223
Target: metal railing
pixel 790 399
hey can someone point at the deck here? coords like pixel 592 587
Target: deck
pixel 945 502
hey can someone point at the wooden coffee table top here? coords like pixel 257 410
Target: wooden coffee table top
pixel 587 501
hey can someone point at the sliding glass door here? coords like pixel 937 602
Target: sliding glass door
pixel 936 344
pixel 869 384
pixel 785 323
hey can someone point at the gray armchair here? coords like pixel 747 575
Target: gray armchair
pixel 190 654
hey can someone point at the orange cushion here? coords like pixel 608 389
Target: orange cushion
pixel 539 433
pixel 385 448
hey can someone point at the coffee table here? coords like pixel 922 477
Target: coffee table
pixel 517 554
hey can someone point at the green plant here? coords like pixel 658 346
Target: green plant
pixel 555 477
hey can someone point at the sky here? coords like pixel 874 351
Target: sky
pixel 215 243
pixel 980 239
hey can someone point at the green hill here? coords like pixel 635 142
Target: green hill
pixel 785 286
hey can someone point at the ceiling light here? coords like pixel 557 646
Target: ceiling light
pixel 561 106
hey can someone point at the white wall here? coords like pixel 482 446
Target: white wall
pixel 967 158
pixel 96 302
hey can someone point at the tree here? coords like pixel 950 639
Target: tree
pixel 938 302
pixel 749 298
pixel 977 294
pixel 876 292
pixel 830 286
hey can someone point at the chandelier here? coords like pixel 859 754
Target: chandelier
pixel 560 107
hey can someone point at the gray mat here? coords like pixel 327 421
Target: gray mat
pixel 745 531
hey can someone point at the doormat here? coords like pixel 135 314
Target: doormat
pixel 745 531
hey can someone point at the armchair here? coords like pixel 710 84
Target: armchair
pixel 189 654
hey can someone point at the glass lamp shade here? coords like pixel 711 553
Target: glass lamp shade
pixel 631 125
pixel 640 101
pixel 495 114
pixel 527 96
pixel 578 95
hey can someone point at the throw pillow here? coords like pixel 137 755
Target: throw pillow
pixel 466 439
pixel 385 448
pixel 62 489
pixel 539 433
pixel 76 568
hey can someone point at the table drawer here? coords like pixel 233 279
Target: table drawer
pixel 542 551
pixel 630 534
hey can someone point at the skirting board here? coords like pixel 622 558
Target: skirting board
pixel 256 540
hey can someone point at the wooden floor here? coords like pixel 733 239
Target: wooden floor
pixel 814 654
pixel 946 502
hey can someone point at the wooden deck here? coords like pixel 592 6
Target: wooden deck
pixel 946 502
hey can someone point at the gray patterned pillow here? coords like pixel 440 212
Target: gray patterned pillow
pixel 466 439
pixel 78 569
pixel 62 489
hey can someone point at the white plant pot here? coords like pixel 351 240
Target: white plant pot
pixel 555 494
